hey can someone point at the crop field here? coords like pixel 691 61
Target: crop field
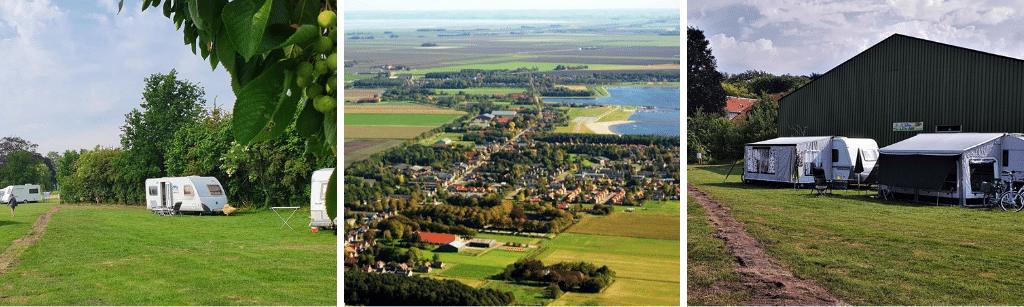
pixel 630 224
pixel 384 132
pixel 398 108
pixel 398 119
pixel 455 137
pixel 354 94
pixel 485 90
pixel 876 252
pixel 647 270
pixel 359 149
pixel 112 255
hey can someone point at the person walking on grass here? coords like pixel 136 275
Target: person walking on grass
pixel 12 203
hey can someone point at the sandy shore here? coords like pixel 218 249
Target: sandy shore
pixel 602 127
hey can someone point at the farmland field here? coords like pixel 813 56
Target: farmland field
pixel 660 207
pixel 630 224
pixel 354 94
pixel 525 295
pixel 107 255
pixel 384 132
pixel 875 252
pixel 398 119
pixel 508 238
pixel 391 107
pixel 485 90
pixel 624 292
pixel 359 149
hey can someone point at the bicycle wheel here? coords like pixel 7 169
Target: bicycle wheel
pixel 1011 201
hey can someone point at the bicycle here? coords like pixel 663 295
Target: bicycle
pixel 1010 200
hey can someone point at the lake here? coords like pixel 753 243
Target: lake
pixel 660 116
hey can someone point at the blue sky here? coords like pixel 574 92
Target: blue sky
pixel 800 36
pixel 73 69
pixel 449 5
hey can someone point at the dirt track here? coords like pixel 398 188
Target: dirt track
pixel 11 254
pixel 767 283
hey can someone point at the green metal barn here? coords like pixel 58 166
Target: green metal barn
pixel 903 86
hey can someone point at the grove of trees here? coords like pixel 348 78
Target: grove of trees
pixel 394 290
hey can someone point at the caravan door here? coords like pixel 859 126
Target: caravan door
pixel 165 196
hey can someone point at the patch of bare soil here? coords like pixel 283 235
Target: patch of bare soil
pixel 10 255
pixel 768 283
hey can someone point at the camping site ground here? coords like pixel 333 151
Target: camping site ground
pixel 116 255
pixel 863 250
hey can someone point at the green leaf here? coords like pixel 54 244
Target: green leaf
pixel 258 101
pixel 145 5
pixel 310 121
pixel 206 14
pixel 332 197
pixel 306 34
pixel 331 130
pixel 246 21
pixel 167 9
pixel 225 51
pixel 120 4
pixel 305 12
pixel 292 52
pixel 284 114
pixel 315 144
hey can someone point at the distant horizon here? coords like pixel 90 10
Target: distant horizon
pixel 468 5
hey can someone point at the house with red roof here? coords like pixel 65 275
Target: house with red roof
pixel 736 106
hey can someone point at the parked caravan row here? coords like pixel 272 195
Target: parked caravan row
pixel 948 165
pixel 792 160
pixel 21 193
pixel 206 194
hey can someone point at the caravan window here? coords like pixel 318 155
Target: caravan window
pixel 869 154
pixel 152 191
pixel 33 191
pixel 761 161
pixel 214 189
pixel 189 192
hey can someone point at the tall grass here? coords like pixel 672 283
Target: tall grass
pixel 876 252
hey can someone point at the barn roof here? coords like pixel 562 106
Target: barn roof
pixel 437 238
pixel 790 140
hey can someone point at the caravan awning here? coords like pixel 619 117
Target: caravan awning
pixel 939 144
pixel 915 171
pixel 790 140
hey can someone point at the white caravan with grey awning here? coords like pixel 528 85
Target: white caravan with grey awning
pixel 793 159
pixel 948 165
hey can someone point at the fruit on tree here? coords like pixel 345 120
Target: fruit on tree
pixel 325 103
pixel 327 19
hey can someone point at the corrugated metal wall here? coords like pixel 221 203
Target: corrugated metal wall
pixel 905 79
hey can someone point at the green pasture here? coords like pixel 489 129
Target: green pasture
pixel 630 224
pixel 624 265
pixel 12 228
pixel 384 103
pixel 625 292
pixel 660 207
pixel 399 119
pixel 615 245
pixel 875 252
pixel 708 261
pixel 455 137
pixel 525 295
pixel 107 255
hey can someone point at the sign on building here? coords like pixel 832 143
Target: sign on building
pixel 913 126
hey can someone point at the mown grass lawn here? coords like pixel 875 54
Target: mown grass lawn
pixel 874 252
pixel 106 255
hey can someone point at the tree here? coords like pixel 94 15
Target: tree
pixel 703 81
pixel 282 58
pixel 554 291
pixel 21 168
pixel 168 105
pixel 761 121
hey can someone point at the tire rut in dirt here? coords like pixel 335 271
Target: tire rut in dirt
pixel 10 255
pixel 767 283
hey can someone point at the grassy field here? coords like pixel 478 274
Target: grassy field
pixel 106 255
pixel 630 224
pixel 384 132
pixel 621 114
pixel 708 262
pixel 398 119
pixel 525 295
pixel 455 137
pixel 660 207
pixel 397 107
pixel 874 252
pixel 625 292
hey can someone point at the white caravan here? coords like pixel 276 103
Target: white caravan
pixel 318 199
pixel 793 159
pixel 22 193
pixel 186 194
